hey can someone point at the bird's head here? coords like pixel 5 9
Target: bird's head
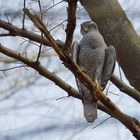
pixel 88 26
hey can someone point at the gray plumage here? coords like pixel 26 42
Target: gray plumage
pixel 98 61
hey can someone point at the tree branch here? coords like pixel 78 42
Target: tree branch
pixel 15 31
pixel 71 10
pixel 126 89
pixel 45 73
pixel 42 71
pixel 132 124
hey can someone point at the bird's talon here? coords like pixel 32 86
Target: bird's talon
pixel 84 70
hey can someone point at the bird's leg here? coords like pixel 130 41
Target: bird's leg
pixel 93 92
pixel 85 70
pixel 96 89
pixel 96 83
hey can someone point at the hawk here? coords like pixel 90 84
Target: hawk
pixel 97 60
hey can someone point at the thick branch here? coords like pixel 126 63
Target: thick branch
pixel 125 88
pixel 129 122
pixel 118 31
pixel 15 31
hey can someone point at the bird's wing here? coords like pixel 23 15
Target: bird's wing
pixel 109 65
pixel 75 50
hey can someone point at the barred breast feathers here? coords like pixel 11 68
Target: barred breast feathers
pixel 93 39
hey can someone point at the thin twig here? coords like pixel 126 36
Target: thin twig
pixel 62 98
pixel 4 73
pixel 39 52
pixel 15 31
pixel 107 90
pixel 40 8
pixel 120 73
pixel 101 122
pixel 23 20
pixel 52 6
pixel 7 69
pixel 40 46
pixel 4 34
pixel 57 25
pixel 113 93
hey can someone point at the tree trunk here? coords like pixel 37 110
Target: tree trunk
pixel 118 31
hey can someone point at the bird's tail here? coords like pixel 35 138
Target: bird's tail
pixel 89 102
pixel 90 107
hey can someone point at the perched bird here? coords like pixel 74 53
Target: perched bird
pixel 97 60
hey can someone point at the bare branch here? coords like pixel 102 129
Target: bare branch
pixel 125 88
pixel 71 10
pixel 39 52
pixel 44 72
pixel 23 20
pixel 101 122
pixel 40 46
pixel 4 34
pixel 53 6
pixel 7 17
pixel 40 8
pixel 15 31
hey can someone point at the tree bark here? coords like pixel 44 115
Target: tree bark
pixel 117 30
